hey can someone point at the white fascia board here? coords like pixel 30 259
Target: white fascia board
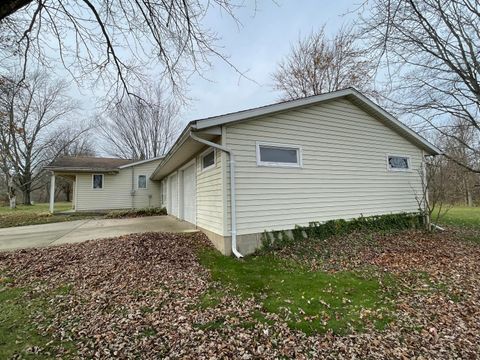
pixel 268 109
pixel 350 92
pixel 396 123
pixel 140 162
pixel 180 140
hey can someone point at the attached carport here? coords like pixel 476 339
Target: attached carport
pixel 69 167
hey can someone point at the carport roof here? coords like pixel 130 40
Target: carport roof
pixel 87 164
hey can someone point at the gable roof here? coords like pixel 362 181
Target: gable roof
pixel 189 146
pixel 349 93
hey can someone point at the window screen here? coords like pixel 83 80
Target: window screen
pixel 398 162
pixel 98 181
pixel 275 154
pixel 142 181
pixel 208 160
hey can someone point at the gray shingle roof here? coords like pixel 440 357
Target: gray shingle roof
pixel 87 163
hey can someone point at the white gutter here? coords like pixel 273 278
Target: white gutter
pixel 233 206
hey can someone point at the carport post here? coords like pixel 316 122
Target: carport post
pixel 52 191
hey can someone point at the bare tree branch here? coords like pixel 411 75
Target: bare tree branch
pixel 141 129
pixel 117 44
pixel 317 65
pixel 431 48
pixel 29 112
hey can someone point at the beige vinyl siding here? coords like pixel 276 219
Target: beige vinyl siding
pixel 142 196
pixel 116 191
pixel 209 195
pixel 344 172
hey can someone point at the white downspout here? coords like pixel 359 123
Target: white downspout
pixel 233 205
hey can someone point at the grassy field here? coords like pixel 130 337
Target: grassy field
pixel 462 216
pixel 37 214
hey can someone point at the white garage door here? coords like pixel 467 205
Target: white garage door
pixel 189 200
pixel 173 195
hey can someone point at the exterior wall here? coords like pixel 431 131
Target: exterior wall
pixel 344 173
pixel 209 193
pixel 116 192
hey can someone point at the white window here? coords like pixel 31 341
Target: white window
pixel 97 181
pixel 142 182
pixel 279 155
pixel 208 159
pixel 398 163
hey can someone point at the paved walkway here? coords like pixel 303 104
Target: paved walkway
pixel 82 230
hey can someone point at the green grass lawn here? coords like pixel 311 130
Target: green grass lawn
pixel 36 208
pixel 37 214
pixel 462 216
pixel 19 337
pixel 311 301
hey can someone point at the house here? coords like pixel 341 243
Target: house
pixel 330 156
pixel 107 183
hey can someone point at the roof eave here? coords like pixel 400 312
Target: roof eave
pixel 181 139
pixel 269 109
pixel 66 169
pixel 295 104
pixel 141 162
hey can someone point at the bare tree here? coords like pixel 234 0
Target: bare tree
pixel 28 113
pixel 432 199
pixel 462 183
pixel 72 142
pixel 317 65
pixel 141 129
pixel 112 41
pixel 429 51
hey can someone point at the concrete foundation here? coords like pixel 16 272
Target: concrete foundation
pixel 246 244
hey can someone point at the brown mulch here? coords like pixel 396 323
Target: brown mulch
pixel 137 296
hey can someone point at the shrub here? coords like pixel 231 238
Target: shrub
pixel 276 240
pixel 132 213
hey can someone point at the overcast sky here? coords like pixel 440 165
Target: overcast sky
pixel 264 38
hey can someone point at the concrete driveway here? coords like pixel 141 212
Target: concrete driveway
pixel 83 230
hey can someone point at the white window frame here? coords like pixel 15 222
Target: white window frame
pixel 397 169
pixel 205 153
pixel 146 182
pixel 298 148
pixel 103 182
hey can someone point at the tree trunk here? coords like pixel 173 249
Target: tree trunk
pixel 26 192
pixel 67 192
pixel 469 198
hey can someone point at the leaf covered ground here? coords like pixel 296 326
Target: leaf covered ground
pixel 157 296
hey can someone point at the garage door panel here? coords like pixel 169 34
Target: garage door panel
pixel 173 197
pixel 189 192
